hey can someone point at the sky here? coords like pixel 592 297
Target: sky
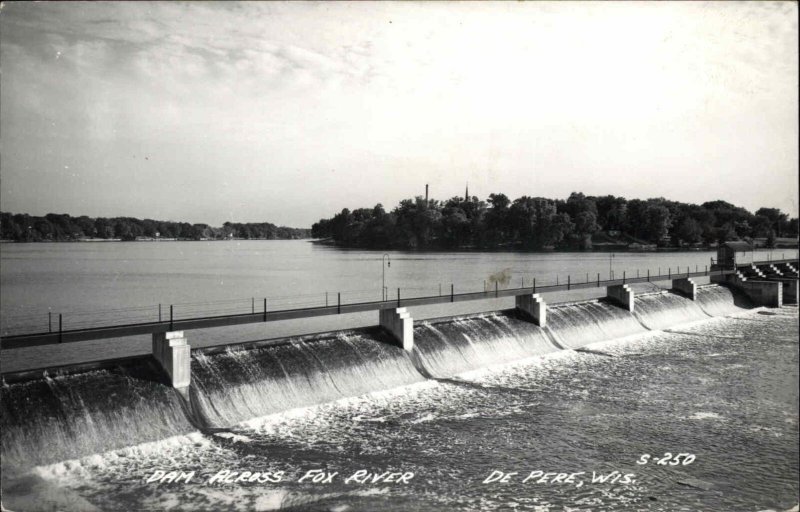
pixel 287 112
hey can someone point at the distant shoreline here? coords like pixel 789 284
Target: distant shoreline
pixel 92 240
pixel 62 227
pixel 334 245
pixel 603 249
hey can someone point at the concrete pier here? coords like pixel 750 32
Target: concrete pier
pixel 686 287
pixel 398 322
pixel 761 292
pixel 174 355
pixel 622 295
pixel 789 285
pixel 534 306
pixel 765 293
pixel 790 291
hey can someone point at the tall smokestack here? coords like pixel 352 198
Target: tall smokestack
pixel 426 192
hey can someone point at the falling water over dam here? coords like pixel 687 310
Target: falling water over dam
pixel 93 418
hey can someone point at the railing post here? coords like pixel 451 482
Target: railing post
pixel 265 309
pixel 326 299
pixel 534 285
pixel 706 269
pixel 623 277
pixel 669 272
pixel 49 321
pixel 451 292
pixel 495 291
pixel 598 279
pixel 569 281
pixel 398 297
pixel 637 273
pixel 648 275
pixel 338 302
pixel 159 313
pixel 59 328
pixel 170 317
pixel 253 305
pixel 556 279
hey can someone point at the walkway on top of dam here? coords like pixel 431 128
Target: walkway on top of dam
pixel 263 314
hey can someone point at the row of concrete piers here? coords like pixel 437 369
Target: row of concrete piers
pixel 173 352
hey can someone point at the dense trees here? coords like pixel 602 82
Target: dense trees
pixel 537 223
pixel 524 223
pixel 62 227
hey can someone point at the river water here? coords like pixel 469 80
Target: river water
pixel 101 283
pixel 483 396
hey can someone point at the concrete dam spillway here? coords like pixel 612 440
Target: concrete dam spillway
pixel 70 416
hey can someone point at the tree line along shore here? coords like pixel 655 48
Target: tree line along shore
pixel 55 227
pixel 535 223
pixel 579 222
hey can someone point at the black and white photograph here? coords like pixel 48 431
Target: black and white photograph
pixel 400 256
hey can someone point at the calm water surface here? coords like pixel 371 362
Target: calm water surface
pixel 73 278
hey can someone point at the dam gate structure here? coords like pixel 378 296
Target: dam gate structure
pixel 765 283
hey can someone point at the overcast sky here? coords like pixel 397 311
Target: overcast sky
pixel 288 112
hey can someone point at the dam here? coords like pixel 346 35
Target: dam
pixel 764 283
pixel 228 385
pixel 301 400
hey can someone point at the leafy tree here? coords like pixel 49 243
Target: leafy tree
pixel 778 220
pixel 585 223
pixel 497 219
pixel 690 231
pixel 792 228
pixel 61 227
pixel 612 212
pixel 656 223
pixel 577 203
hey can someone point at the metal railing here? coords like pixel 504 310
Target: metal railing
pixel 94 324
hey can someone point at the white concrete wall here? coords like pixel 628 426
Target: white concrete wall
pixel 173 352
pixel 686 286
pixel 534 306
pixel 400 325
pixel 622 295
